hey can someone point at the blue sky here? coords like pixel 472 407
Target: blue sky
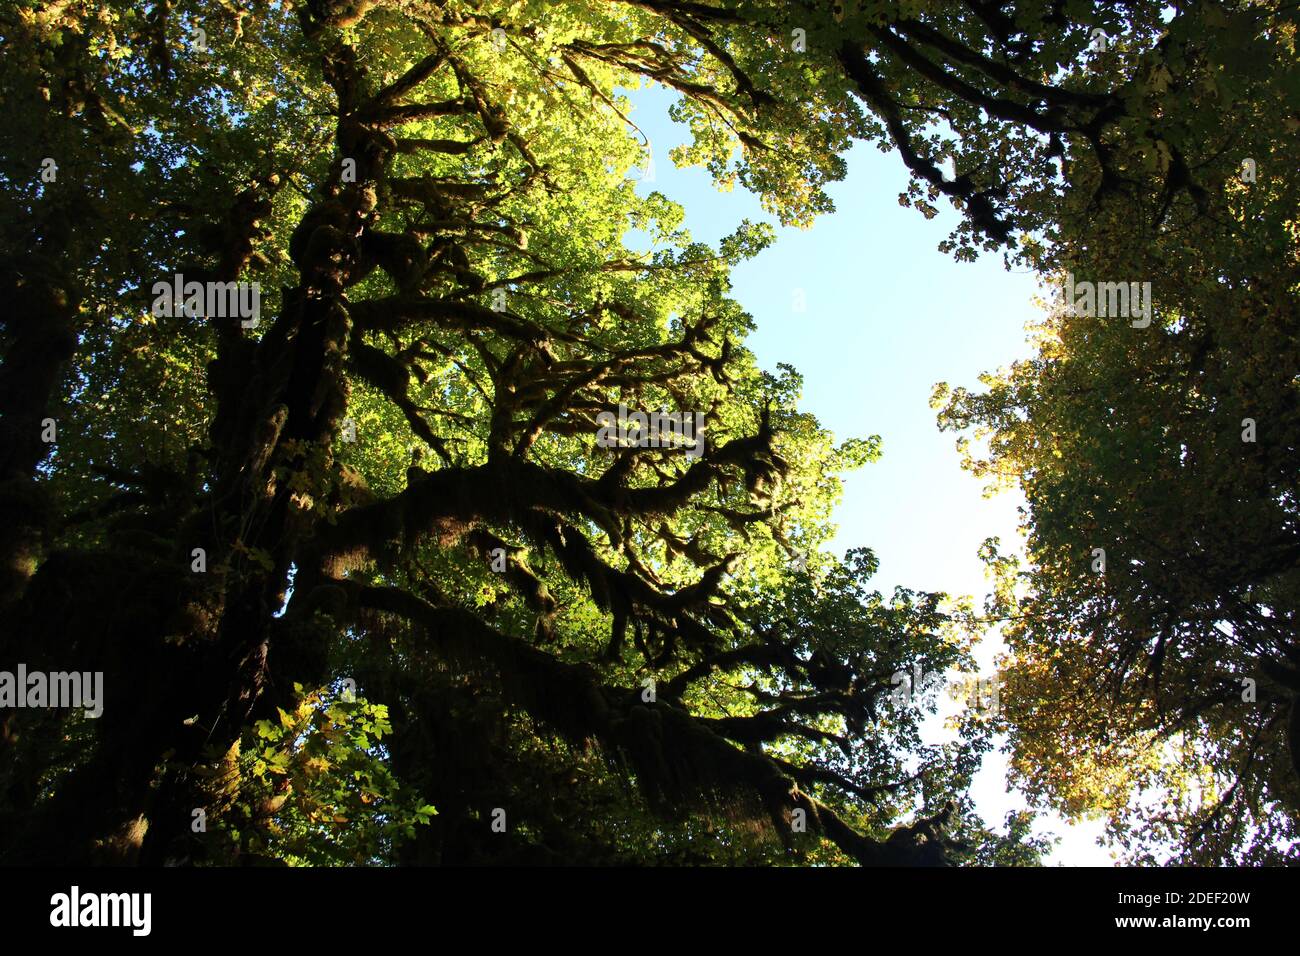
pixel 886 316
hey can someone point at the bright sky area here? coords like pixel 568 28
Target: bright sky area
pixel 886 316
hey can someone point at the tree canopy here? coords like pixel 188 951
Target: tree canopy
pixel 1152 674
pixel 367 586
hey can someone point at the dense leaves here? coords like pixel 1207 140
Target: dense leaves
pixel 1156 683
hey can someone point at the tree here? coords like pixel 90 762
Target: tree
pixel 1153 667
pixel 385 472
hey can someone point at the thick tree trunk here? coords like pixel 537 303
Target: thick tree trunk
pixel 40 317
